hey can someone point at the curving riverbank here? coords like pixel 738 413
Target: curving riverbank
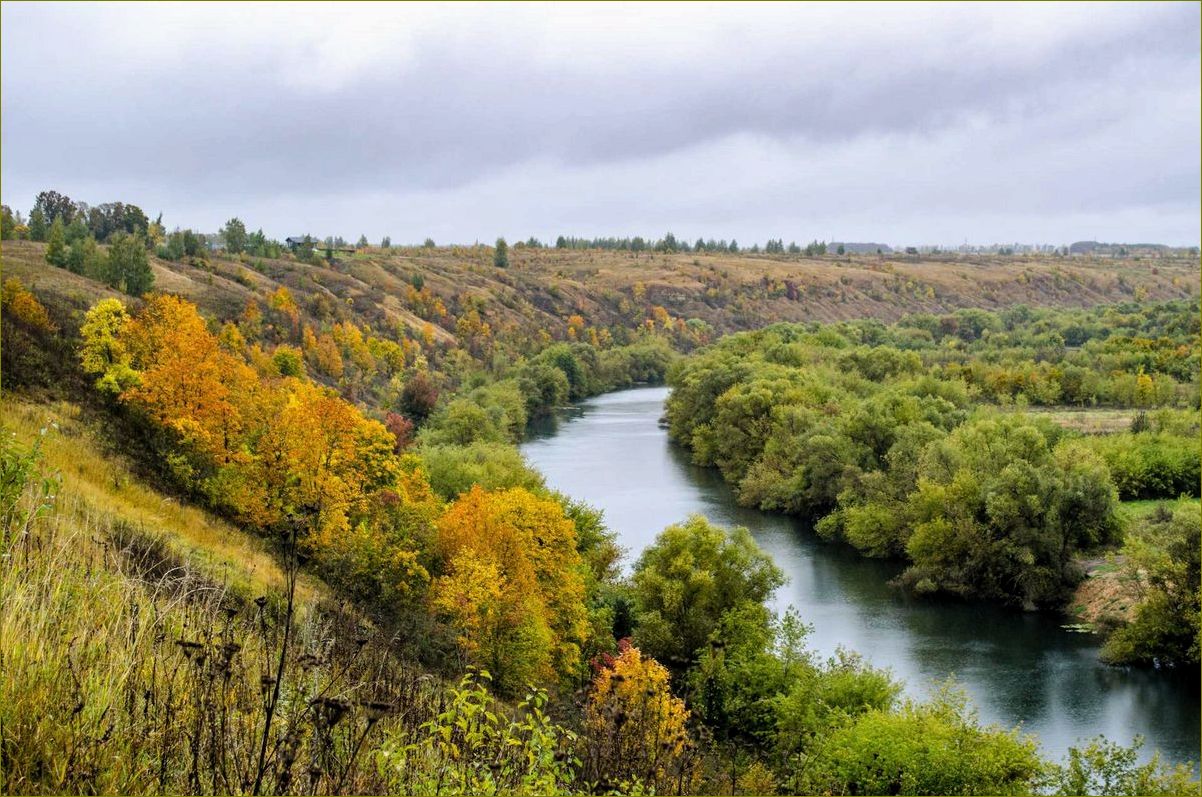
pixel 1018 667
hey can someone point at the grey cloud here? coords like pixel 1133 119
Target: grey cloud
pixel 202 124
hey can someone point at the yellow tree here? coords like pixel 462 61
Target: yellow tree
pixel 323 354
pixel 19 303
pixel 318 457
pixel 282 303
pixel 539 620
pixel 575 327
pixel 499 624
pixel 636 727
pixel 102 351
pixel 383 558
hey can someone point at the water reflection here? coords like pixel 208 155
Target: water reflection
pixel 1018 668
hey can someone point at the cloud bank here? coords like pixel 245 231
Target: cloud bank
pixel 904 123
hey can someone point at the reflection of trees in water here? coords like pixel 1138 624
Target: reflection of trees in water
pixel 547 426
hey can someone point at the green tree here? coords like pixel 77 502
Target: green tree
pixel 1164 560
pixel 692 575
pixel 56 240
pixel 134 221
pixel 128 267
pixel 999 512
pixel 8 223
pixel 500 256
pixel 305 250
pixel 77 230
pixel 925 748
pixel 194 244
pixel 84 257
pixel 234 234
pixel 54 205
pixel 37 225
pixel 288 361
pixel 1105 768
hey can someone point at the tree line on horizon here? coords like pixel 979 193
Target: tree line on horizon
pixel 107 220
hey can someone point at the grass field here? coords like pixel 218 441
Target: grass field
pixel 1134 510
pixel 1089 421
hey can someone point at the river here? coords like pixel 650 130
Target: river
pixel 1018 668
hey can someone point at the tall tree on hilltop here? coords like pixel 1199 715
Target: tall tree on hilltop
pixel 54 205
pixel 234 233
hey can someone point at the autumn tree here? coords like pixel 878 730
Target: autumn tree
pixel 21 304
pixel 384 555
pixel 103 351
pixel 418 397
pixel 637 728
pixel 513 588
pixel 284 307
pixel 401 428
pixel 187 383
pixel 322 352
pixel 319 459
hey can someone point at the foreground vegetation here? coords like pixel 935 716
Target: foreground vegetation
pixel 130 670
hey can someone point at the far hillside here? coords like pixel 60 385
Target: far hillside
pixel 542 288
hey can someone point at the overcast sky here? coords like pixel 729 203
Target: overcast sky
pixel 906 124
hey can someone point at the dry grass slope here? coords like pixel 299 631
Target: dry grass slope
pixel 543 287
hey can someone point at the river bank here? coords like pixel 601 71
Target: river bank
pixel 1019 668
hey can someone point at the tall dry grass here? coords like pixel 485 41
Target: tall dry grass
pixel 124 669
pixel 140 654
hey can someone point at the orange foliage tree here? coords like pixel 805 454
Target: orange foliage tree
pixel 187 383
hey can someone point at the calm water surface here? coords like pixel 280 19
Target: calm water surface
pixel 1018 668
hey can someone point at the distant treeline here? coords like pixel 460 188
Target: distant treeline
pixel 670 243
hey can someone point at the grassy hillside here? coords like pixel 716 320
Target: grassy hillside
pixel 150 647
pixel 543 287
pixel 101 489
